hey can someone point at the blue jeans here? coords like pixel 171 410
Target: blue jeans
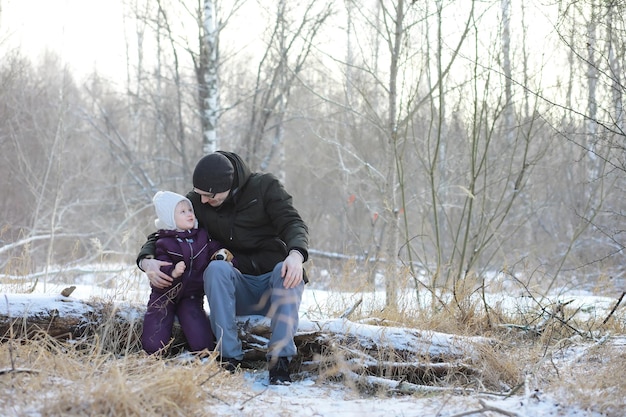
pixel 231 293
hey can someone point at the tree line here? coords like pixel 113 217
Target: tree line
pixel 433 142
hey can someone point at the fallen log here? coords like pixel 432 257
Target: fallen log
pixel 396 353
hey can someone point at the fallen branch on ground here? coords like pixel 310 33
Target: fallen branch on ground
pixel 396 353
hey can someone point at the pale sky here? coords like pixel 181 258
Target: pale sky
pixel 82 32
pixel 89 34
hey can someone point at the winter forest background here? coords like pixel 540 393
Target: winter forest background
pixel 431 143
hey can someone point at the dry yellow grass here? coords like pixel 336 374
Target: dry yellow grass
pixel 592 378
pixel 52 379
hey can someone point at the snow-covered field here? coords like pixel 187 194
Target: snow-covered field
pixel 310 396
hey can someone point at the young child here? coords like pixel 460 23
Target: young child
pixel 189 250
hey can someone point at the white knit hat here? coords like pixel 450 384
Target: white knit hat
pixel 165 203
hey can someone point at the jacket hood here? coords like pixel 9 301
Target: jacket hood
pixel 242 171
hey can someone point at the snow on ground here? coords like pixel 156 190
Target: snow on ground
pixel 309 397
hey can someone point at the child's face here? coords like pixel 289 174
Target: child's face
pixel 183 216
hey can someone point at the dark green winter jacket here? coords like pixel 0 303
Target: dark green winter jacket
pixel 257 222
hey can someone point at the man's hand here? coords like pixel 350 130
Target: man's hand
pixel 292 269
pixel 158 278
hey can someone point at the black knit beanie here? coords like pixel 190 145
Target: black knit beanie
pixel 213 174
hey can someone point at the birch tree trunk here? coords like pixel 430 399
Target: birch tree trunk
pixel 592 82
pixel 616 58
pixel 506 68
pixel 208 86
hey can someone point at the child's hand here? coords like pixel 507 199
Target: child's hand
pixel 179 269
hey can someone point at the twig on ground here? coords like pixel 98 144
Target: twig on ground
pixel 18 371
pixel 6 299
pixel 486 407
pixel 556 313
pixel 619 300
pixel 213 375
pixel 376 383
pixel 252 398
pixel 349 311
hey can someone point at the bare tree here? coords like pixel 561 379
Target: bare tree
pixel 290 41
pixel 51 169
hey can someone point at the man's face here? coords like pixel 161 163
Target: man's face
pixel 212 199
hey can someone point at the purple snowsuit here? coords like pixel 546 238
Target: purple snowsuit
pixel 185 297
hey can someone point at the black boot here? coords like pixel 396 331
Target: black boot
pixel 279 371
pixel 229 364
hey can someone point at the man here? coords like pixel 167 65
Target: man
pixel 252 215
